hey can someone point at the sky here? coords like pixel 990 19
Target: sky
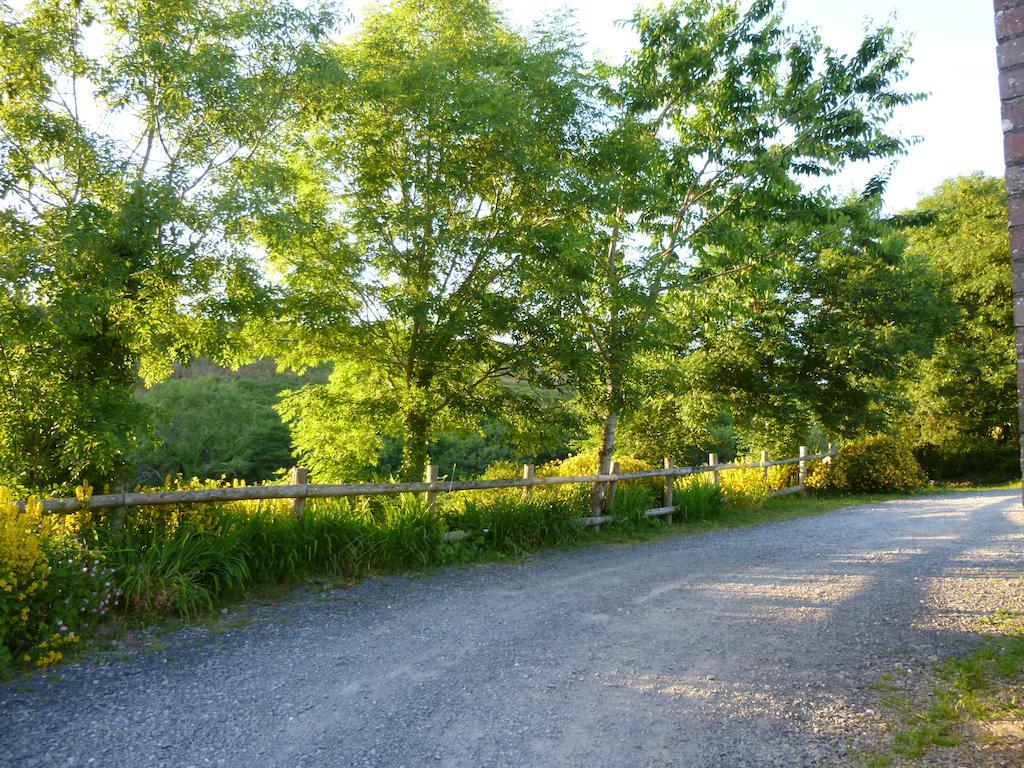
pixel 953 46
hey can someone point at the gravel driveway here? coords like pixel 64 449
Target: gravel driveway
pixel 749 647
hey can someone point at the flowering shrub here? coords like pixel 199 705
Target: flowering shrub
pixel 585 464
pixel 784 476
pixel 23 572
pixel 744 487
pixel 80 591
pixel 872 464
pixel 820 478
pixel 52 587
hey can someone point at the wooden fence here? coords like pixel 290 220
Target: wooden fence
pixel 299 490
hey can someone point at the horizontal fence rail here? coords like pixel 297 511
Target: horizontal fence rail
pixel 299 492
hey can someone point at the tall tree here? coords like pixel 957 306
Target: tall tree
pixel 964 396
pixel 712 133
pixel 816 339
pixel 417 197
pixel 120 124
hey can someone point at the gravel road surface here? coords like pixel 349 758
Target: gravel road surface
pixel 748 647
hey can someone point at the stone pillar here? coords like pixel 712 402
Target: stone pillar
pixel 1010 53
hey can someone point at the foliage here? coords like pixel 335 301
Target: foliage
pixel 701 144
pixel 699 499
pixel 686 426
pixel 115 255
pixel 871 464
pixel 210 427
pixel 23 572
pixel 975 460
pixel 964 396
pixel 403 227
pixel 818 336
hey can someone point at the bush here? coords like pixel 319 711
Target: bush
pixel 872 464
pixel 585 464
pixel 744 487
pixel 782 477
pixel 979 462
pixel 53 588
pixel 23 572
pixel 81 588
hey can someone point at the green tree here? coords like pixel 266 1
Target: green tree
pixel 415 200
pixel 712 135
pixel 813 342
pixel 210 426
pixel 121 124
pixel 964 395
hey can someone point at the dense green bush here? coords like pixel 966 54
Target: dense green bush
pixel 980 462
pixel 871 464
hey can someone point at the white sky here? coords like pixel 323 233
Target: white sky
pixel 954 61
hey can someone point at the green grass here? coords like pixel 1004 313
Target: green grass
pixel 978 688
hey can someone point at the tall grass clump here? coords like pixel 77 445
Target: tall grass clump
pixel 699 499
pixel 629 508
pixel 407 534
pixel 167 561
pixel 505 523
pixel 327 538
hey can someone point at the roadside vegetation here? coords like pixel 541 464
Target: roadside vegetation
pixel 67 573
pixel 434 238
pixel 966 709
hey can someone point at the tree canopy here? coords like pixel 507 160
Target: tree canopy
pixel 470 228
pixel 406 210
pixel 120 124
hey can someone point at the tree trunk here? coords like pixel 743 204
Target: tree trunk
pixel 414 446
pixel 599 494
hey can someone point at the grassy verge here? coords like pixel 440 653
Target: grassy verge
pixel 966 711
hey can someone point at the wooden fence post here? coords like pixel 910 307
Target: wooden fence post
pixel 764 468
pixel 527 475
pixel 431 478
pixel 803 465
pixel 667 497
pixel 831 452
pixel 716 476
pixel 300 476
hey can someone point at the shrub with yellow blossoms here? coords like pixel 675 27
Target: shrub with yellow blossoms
pixel 23 573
